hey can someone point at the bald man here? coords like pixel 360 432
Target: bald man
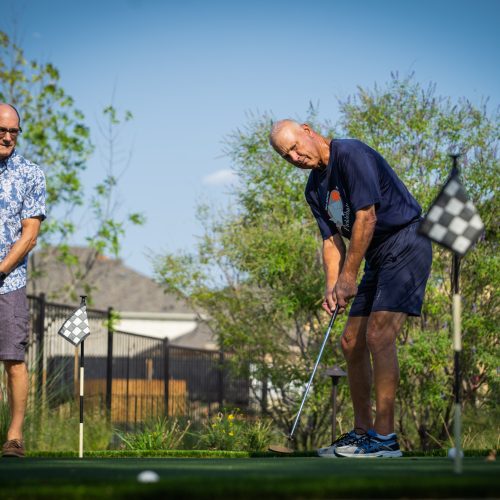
pixel 22 209
pixel 353 193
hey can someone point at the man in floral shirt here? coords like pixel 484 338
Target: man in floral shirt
pixel 22 210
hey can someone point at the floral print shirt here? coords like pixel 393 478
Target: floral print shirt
pixel 22 196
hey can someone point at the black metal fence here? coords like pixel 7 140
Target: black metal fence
pixel 133 377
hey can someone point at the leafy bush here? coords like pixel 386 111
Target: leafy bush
pixel 161 434
pixel 257 435
pixel 231 431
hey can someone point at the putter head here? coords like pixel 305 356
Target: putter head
pixel 276 448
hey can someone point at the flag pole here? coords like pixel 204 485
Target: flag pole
pixel 82 367
pixel 457 348
pixel 453 222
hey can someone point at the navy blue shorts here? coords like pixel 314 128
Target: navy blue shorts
pixel 395 275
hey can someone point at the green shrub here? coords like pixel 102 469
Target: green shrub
pixel 161 434
pixel 232 432
pixel 257 435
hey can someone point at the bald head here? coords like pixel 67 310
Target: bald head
pixel 9 112
pixel 299 144
pixel 281 127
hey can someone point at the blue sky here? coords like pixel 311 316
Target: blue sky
pixel 191 72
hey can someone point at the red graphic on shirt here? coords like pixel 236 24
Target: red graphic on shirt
pixel 335 196
pixel 335 208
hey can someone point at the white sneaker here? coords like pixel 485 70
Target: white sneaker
pixel 347 439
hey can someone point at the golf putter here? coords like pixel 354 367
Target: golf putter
pixel 288 449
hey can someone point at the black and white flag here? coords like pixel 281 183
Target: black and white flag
pixel 76 328
pixel 452 220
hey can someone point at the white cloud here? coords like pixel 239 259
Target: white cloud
pixel 220 177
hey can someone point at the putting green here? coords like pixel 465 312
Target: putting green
pixel 249 478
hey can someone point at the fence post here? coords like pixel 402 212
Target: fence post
pixel 109 363
pixel 221 379
pixel 166 372
pixel 40 338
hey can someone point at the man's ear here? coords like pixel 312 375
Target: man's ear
pixel 307 129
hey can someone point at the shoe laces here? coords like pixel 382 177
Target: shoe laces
pixel 349 435
pixel 13 443
pixel 340 438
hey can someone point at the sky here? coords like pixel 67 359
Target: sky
pixel 191 72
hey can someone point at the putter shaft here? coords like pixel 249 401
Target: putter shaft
pixel 327 334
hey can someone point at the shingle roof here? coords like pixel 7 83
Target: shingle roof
pixel 113 284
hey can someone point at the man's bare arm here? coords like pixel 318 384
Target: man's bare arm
pixel 333 260
pixel 361 237
pixel 21 248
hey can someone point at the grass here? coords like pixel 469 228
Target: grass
pixel 238 478
pixel 160 434
pixel 144 453
pixel 56 429
pixel 54 425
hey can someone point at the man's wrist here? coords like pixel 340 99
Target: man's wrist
pixel 348 275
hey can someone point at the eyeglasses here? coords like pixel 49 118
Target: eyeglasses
pixel 14 132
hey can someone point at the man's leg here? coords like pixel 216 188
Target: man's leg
pixel 359 370
pixel 382 331
pixel 17 376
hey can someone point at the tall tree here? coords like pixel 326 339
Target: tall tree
pixel 257 269
pixel 416 130
pixel 56 136
pixel 257 272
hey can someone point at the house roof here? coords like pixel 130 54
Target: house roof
pixel 200 338
pixel 113 284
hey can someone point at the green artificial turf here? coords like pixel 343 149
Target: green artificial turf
pixel 217 454
pixel 262 478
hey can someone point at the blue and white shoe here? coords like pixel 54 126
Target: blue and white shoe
pixel 346 439
pixel 371 445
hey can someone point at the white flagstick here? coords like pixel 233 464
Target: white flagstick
pixel 82 364
pixel 457 348
pixel 75 329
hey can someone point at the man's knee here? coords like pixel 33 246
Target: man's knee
pixel 382 331
pixel 353 340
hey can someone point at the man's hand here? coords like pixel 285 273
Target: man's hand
pixel 345 290
pixel 329 303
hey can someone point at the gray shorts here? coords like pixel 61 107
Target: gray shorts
pixel 14 324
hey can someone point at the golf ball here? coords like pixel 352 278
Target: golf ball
pixel 452 453
pixel 148 476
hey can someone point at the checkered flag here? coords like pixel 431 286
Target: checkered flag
pixel 452 220
pixel 76 328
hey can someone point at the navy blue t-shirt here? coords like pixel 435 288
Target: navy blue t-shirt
pixel 356 177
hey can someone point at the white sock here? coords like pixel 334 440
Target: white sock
pixel 385 437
